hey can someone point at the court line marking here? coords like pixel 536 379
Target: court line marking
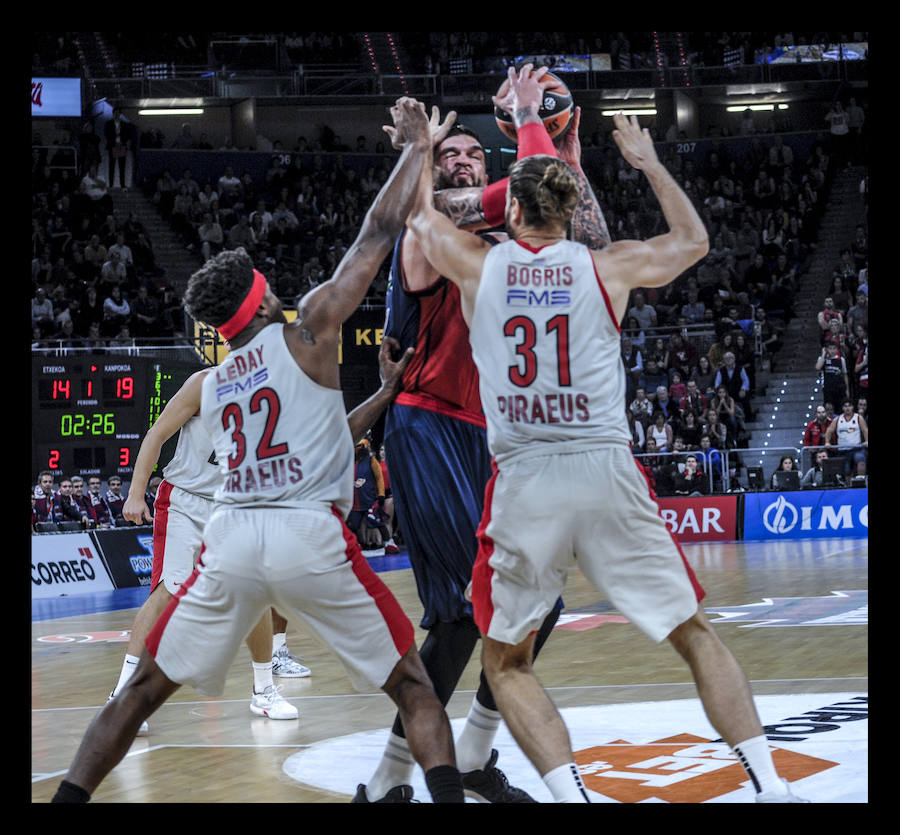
pixel 464 692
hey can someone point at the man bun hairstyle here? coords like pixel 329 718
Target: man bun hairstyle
pixel 546 188
pixel 215 291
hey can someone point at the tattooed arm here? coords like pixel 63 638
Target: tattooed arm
pixel 463 206
pixel 588 225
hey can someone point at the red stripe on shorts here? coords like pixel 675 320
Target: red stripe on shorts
pixel 160 524
pixel 398 623
pixel 156 633
pixel 698 589
pixel 482 605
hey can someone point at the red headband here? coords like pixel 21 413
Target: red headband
pixel 240 320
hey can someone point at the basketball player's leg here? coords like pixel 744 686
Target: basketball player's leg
pixel 721 682
pixel 530 715
pixel 259 641
pixel 424 720
pixel 113 729
pixel 728 701
pixel 147 615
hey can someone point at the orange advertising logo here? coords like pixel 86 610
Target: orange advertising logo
pixel 679 769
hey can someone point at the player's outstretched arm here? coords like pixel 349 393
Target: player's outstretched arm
pixel 657 261
pixel 364 416
pixel 330 304
pixel 588 225
pixel 178 411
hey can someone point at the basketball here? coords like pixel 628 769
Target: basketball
pixel 555 111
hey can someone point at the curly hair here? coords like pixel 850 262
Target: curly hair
pixel 216 290
pixel 546 189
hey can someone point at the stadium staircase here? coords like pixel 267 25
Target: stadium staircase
pixel 172 256
pixel 787 396
pixel 383 53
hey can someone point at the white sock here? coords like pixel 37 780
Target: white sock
pixel 565 784
pixel 473 748
pixel 395 769
pixel 279 639
pixel 128 668
pixel 262 675
pixel 756 757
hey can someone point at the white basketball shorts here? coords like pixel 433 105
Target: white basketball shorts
pixel 178 521
pixel 304 562
pixel 548 509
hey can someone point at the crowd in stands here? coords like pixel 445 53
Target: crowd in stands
pixel 94 274
pixel 840 426
pixel 436 52
pixel 439 52
pixel 75 503
pixel 296 222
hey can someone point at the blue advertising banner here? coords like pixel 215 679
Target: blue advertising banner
pixel 807 514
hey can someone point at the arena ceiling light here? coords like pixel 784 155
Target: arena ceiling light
pixel 630 111
pixel 740 108
pixel 171 111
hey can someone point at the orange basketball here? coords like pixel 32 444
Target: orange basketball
pixel 555 110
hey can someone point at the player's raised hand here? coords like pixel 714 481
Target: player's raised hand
pixel 634 142
pixel 410 122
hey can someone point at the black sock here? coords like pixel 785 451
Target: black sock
pixel 70 793
pixel 445 784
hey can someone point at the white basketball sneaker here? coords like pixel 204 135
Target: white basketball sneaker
pixel 284 665
pixel 272 704
pixel 780 797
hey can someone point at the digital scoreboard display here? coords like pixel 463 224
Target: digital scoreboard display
pixel 90 413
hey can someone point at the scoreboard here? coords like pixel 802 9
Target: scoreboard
pixel 90 412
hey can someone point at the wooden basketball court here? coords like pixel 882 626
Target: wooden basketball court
pixel 810 638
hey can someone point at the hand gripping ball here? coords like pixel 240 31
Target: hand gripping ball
pixel 555 111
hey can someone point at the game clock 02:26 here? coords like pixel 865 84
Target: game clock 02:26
pixel 90 413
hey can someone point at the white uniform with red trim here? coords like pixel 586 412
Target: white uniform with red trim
pixel 277 536
pixel 184 503
pixel 566 486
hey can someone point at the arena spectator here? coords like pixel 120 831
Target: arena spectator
pixel 850 434
pixel 736 383
pixel 716 430
pixel 859 313
pixel 116 311
pixel 691 481
pixel 690 430
pixel 63 506
pixel 115 499
pixel 682 356
pixel 814 476
pixel 694 400
pixel 42 316
pixel 643 313
pixel 785 465
pixel 43 494
pixel 81 500
pixel 835 378
pixel 704 376
pixel 634 364
pixel 829 314
pixel 711 460
pixel 660 432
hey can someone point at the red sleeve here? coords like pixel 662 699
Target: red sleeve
pixel 533 139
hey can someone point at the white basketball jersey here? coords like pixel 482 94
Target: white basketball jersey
pixel 848 431
pixel 281 439
pixel 193 467
pixel 547 347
